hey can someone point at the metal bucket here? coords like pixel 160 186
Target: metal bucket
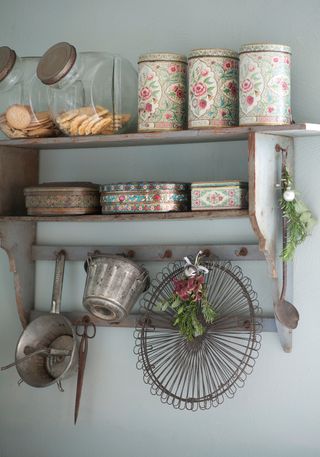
pixel 113 286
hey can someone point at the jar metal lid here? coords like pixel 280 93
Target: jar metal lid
pixel 56 62
pixel 162 56
pixel 213 52
pixel 264 47
pixel 7 61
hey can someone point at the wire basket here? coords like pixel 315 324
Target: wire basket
pixel 199 374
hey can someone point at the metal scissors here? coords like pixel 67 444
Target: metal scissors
pixel 88 332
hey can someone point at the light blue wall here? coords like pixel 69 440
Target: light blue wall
pixel 277 413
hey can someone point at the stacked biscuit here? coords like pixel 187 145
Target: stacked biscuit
pixel 89 120
pixel 19 121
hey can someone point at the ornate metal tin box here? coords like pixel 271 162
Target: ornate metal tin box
pixel 144 197
pixel 264 92
pixel 219 195
pixel 162 100
pixel 213 88
pixel 54 199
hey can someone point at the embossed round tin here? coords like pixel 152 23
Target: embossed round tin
pixel 213 88
pixel 264 86
pixel 162 91
pixel 144 197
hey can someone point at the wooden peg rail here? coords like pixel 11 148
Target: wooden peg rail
pixel 144 253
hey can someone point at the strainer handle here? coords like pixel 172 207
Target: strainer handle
pixel 58 282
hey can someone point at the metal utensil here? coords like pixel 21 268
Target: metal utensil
pixel 285 311
pixel 83 352
pixel 47 352
pixel 45 332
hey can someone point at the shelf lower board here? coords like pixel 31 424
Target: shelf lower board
pixel 157 138
pixel 215 214
pixel 135 320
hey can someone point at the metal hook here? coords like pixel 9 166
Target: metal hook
pixel 59 385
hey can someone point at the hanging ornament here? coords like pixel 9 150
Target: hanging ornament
pixel 289 194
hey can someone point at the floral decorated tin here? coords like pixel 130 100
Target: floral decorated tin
pixel 264 92
pixel 144 197
pixel 213 88
pixel 54 199
pixel 162 101
pixel 219 195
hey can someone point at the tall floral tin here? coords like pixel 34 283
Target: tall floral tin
pixel 162 92
pixel 265 84
pixel 213 88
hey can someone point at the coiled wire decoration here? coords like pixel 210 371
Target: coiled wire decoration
pixel 199 374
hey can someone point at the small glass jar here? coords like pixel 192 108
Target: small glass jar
pixel 90 93
pixel 23 98
pixel 162 101
pixel 265 84
pixel 213 88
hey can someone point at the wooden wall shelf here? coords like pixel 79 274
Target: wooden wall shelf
pixel 19 168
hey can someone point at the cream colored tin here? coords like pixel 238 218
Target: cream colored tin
pixel 265 84
pixel 213 88
pixel 219 195
pixel 162 92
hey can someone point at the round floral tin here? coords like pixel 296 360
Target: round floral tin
pixel 162 92
pixel 144 197
pixel 264 92
pixel 213 88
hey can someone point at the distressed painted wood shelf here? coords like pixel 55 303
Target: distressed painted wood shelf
pixel 19 168
pixel 225 214
pixel 158 138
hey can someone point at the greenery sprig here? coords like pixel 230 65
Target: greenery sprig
pixel 190 305
pixel 299 217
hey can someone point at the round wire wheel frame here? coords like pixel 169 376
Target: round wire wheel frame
pixel 199 374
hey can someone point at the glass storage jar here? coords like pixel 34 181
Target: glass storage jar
pixel 264 90
pixel 90 93
pixel 23 98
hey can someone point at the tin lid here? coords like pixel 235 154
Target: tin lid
pixel 63 187
pixel 230 183
pixel 7 61
pixel 144 186
pixel 162 56
pixel 264 47
pixel 213 52
pixel 56 62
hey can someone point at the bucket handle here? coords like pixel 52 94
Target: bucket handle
pixel 58 282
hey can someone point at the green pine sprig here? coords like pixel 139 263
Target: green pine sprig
pixel 299 218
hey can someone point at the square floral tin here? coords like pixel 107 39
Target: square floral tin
pixel 144 197
pixel 219 195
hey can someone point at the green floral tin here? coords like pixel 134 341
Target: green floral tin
pixel 162 100
pixel 144 197
pixel 265 84
pixel 213 88
pixel 219 195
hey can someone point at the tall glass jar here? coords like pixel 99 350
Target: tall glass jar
pixel 265 84
pixel 162 101
pixel 90 93
pixel 23 98
pixel 213 88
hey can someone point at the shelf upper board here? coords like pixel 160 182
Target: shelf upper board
pixel 157 138
pixel 231 213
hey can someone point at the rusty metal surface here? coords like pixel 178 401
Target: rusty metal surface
pixel 199 374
